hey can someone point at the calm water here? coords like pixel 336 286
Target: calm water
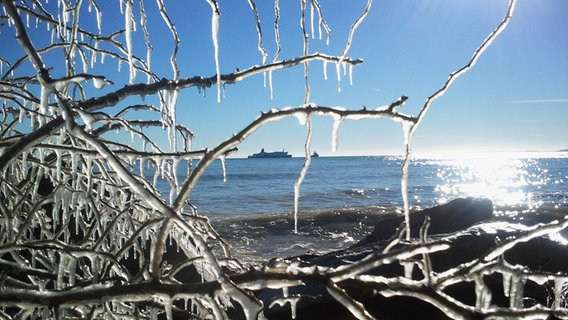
pixel 342 197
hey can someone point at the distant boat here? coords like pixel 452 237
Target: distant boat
pixel 315 155
pixel 275 154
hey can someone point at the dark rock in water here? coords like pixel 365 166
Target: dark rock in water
pixel 470 228
pixel 451 217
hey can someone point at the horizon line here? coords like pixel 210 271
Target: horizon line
pixel 539 101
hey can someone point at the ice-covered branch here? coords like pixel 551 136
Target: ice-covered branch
pixel 261 48
pixel 356 308
pixel 478 52
pixel 304 171
pixel 84 233
pixel 411 127
pixel 114 98
pixel 538 231
pixel 275 115
pixel 23 38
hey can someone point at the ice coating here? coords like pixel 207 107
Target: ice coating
pixel 172 119
pixel 260 46
pixel 338 73
pixel 482 293
pixel 355 307
pixel 293 301
pixel 79 203
pixel 128 24
pixel 302 175
pixel 215 19
pixel 270 85
pixel 337 120
pixel 276 30
pixel 222 158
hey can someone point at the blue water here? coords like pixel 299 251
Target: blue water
pixel 342 198
pixel 266 186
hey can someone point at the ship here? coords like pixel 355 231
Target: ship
pixel 275 154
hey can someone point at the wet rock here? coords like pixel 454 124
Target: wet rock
pixel 470 228
pixel 451 217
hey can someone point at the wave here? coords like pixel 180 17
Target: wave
pixel 256 238
pixel 259 237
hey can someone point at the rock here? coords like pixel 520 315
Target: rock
pixel 453 216
pixel 470 228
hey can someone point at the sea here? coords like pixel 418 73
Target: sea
pixel 250 202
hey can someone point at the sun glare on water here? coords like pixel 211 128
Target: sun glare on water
pixel 504 179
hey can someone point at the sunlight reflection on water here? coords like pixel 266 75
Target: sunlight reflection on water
pixel 507 181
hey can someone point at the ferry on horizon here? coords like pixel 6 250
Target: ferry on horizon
pixel 275 154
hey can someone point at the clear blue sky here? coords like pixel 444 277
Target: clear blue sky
pixel 514 99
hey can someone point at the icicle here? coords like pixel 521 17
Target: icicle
pixel 482 293
pixel 175 164
pixel 172 118
pixel 99 15
pixel 270 84
pixel 168 307
pixel 507 284
pixel 222 158
pixel 337 120
pixel 58 161
pixel 22 115
pixel 85 63
pixel 24 158
pixel 302 175
pixel 517 293
pixel 128 23
pixel 93 59
pixel 141 164
pixel 338 72
pixel 322 23
pixel 559 283
pixel 312 9
pixel 156 173
pixel 215 19
pixel 43 106
pixel 302 118
pixel 88 170
pixel 62 267
pixel 283 301
pixel 325 69
pixel 350 74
